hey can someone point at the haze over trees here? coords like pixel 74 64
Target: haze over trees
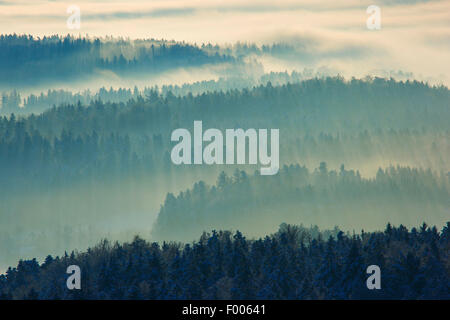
pixel 80 165
pixel 26 60
pixel 15 102
pixel 253 204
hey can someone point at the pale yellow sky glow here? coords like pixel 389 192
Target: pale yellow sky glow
pixel 414 35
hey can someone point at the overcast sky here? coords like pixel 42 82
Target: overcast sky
pixel 414 35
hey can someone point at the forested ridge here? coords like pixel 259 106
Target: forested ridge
pixel 328 120
pixel 16 102
pixel 28 60
pixel 294 263
pixel 313 105
pixel 254 202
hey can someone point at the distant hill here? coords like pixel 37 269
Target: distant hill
pixel 254 204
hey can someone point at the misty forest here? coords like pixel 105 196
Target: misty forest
pixel 86 175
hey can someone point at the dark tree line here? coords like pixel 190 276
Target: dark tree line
pixel 294 263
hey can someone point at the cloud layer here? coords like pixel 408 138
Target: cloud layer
pixel 414 35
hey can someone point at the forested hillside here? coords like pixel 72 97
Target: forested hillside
pixel 89 166
pixel 329 104
pixel 18 103
pixel 26 60
pixel 294 263
pixel 327 120
pixel 31 62
pixel 253 204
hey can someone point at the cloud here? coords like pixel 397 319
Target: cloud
pixel 414 35
pixel 157 13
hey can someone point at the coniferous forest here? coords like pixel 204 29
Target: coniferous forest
pixel 87 175
pixel 293 263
